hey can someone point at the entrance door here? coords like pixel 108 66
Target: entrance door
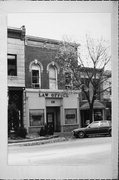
pixel 50 119
pixel 53 118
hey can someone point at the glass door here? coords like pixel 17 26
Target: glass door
pixel 50 120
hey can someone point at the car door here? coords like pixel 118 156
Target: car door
pixel 104 127
pixel 93 128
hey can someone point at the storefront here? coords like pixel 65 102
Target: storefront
pixel 98 112
pixel 57 108
pixel 15 108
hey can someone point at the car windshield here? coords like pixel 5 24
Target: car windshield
pixel 93 125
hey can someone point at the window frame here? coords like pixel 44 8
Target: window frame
pixel 30 123
pixel 66 109
pixel 71 82
pixel 39 77
pixel 56 73
pixel 15 58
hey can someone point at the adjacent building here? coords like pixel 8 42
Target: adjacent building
pixel 16 75
pixel 102 103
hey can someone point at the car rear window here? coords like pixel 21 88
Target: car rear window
pixel 105 124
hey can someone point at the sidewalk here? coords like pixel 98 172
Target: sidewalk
pixel 39 140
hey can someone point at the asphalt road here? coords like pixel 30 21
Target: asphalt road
pixel 91 156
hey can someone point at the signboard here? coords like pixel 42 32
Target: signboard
pixel 70 116
pixel 53 95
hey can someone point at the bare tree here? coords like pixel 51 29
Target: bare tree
pixel 96 75
pixel 88 71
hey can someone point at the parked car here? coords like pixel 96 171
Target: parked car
pixel 95 128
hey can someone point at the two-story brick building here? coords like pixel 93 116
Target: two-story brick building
pixel 46 102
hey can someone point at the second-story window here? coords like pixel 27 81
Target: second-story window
pixel 68 80
pixel 52 77
pixel 12 64
pixel 36 76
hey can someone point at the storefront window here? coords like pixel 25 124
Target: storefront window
pixel 70 116
pixel 36 117
pixel 98 115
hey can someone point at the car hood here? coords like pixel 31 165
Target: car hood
pixel 79 129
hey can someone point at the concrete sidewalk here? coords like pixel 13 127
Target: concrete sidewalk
pixel 39 140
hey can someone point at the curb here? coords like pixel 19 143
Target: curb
pixel 32 139
pixel 37 141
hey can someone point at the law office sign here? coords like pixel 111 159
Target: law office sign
pixel 53 94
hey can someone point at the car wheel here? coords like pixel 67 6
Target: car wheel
pixel 81 134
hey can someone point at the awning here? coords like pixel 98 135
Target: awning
pixel 96 105
pixel 16 88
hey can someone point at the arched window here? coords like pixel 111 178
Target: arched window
pixel 36 69
pixel 52 77
pixel 36 76
pixel 53 70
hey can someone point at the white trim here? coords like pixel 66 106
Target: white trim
pixel 56 67
pixel 36 62
pixel 53 64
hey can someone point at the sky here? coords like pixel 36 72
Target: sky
pixel 60 26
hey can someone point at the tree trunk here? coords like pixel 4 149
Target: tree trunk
pixel 91 113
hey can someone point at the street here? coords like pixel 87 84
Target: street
pixel 89 154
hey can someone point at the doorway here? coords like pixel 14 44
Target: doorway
pixel 53 118
pixel 50 120
pixel 15 108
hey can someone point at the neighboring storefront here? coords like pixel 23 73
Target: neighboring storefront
pixel 16 77
pixel 98 112
pixel 57 108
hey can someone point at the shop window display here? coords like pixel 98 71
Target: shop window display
pixel 70 116
pixel 36 117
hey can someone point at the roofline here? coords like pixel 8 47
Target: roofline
pixel 98 70
pixel 41 39
pixel 18 33
pixel 46 40
pixel 14 29
pixel 37 38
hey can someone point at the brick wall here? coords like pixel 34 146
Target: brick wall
pixel 45 56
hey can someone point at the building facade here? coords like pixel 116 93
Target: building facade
pixel 46 101
pixel 35 95
pixel 102 102
pixel 16 76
